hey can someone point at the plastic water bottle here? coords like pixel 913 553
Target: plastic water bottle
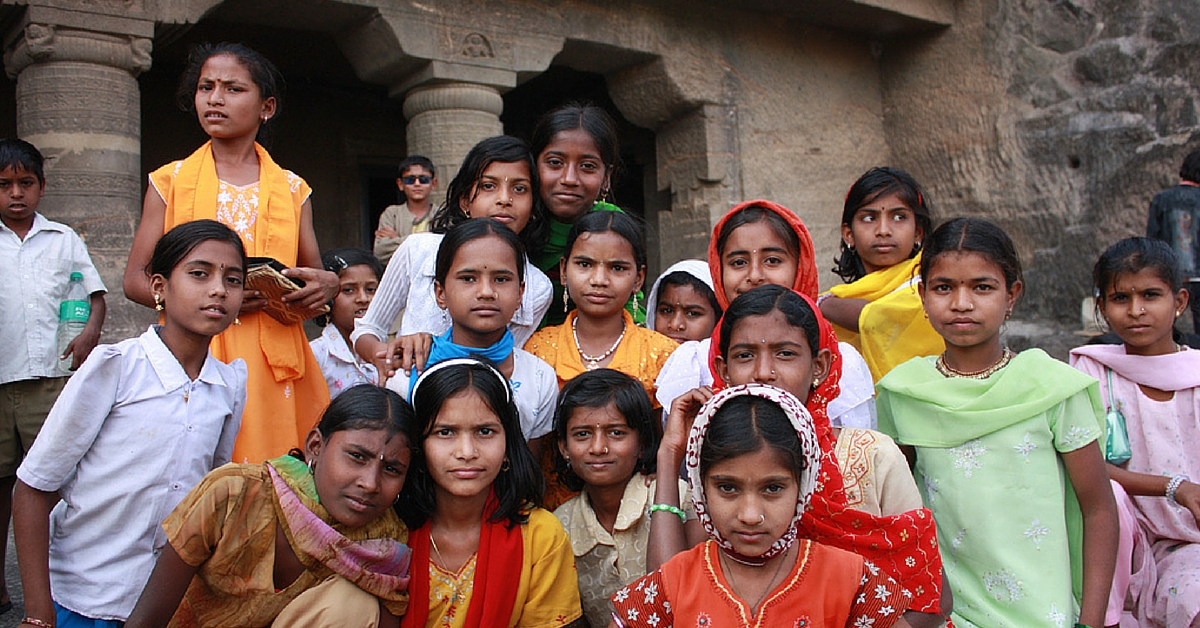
pixel 73 315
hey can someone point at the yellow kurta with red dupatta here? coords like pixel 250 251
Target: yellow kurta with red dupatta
pixel 286 392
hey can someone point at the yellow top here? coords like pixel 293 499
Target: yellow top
pixel 548 593
pixel 892 328
pixel 640 355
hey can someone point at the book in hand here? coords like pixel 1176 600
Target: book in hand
pixel 265 275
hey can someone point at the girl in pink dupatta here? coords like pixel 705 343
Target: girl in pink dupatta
pixel 1153 381
pixel 305 539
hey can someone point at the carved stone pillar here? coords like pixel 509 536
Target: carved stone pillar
pixel 79 103
pixel 446 119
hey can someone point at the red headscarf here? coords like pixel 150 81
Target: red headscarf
pixel 904 545
pixel 806 274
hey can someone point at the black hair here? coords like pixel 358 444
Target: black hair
pixel 175 244
pixel 338 260
pixel 474 229
pixel 367 407
pixel 21 155
pixel 974 235
pixel 746 424
pixel 518 488
pixel 1190 169
pixel 265 75
pixel 756 213
pixel 593 120
pixel 416 160
pixel 684 278
pixel 1133 255
pixel 619 223
pixel 596 389
pixel 503 149
pixel 876 183
pixel 764 300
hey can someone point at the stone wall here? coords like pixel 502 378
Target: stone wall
pixel 1057 119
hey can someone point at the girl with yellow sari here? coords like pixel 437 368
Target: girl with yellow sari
pixel 878 310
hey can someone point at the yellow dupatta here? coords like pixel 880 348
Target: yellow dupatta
pixel 892 328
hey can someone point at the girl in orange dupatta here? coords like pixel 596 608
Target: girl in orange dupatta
pixel 878 310
pixel 232 179
pixel 483 554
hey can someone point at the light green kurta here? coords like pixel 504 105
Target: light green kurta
pixel 1009 526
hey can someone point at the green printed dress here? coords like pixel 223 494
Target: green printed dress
pixel 1009 525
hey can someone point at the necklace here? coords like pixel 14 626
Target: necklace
pixel 593 362
pixel 441 560
pixel 770 585
pixel 948 371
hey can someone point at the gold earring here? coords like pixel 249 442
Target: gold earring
pixel 566 306
pixel 505 466
pixel 635 301
pixel 158 306
pixel 237 321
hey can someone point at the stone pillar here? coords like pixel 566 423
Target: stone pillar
pixel 446 119
pixel 79 103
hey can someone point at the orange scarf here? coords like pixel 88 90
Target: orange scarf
pixel 193 196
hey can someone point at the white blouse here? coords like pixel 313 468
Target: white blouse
pixel 342 367
pixel 687 368
pixel 407 285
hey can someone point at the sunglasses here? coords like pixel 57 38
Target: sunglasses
pixel 413 179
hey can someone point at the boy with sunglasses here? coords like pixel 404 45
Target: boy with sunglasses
pixel 416 182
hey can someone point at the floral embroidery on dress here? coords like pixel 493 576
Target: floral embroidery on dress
pixel 1035 532
pixel 237 207
pixel 968 455
pixel 1004 586
pixel 1056 616
pixel 1026 446
pixel 931 488
pixel 864 622
pixel 1077 437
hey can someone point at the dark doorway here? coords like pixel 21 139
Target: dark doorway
pixel 335 131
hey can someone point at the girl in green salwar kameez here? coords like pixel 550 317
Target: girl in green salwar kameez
pixel 1005 446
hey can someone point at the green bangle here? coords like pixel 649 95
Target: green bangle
pixel 1082 626
pixel 668 508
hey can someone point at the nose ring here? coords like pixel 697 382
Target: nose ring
pixel 762 519
pixel 606 450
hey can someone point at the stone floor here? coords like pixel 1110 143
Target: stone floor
pixel 12 618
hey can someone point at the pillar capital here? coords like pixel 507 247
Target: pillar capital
pixel 47 41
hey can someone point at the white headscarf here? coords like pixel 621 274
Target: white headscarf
pixel 800 419
pixel 693 267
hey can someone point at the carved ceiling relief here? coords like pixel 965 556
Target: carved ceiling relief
pixel 476 46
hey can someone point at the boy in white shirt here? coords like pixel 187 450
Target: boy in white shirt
pixel 38 257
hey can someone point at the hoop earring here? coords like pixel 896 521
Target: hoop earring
pixel 158 306
pixel 312 465
pixel 505 466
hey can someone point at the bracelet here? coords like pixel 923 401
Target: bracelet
pixel 821 298
pixel 1173 486
pixel 668 508
pixel 36 622
pixel 1082 626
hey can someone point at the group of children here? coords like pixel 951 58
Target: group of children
pixel 758 453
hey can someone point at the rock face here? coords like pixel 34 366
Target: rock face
pixel 1057 119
